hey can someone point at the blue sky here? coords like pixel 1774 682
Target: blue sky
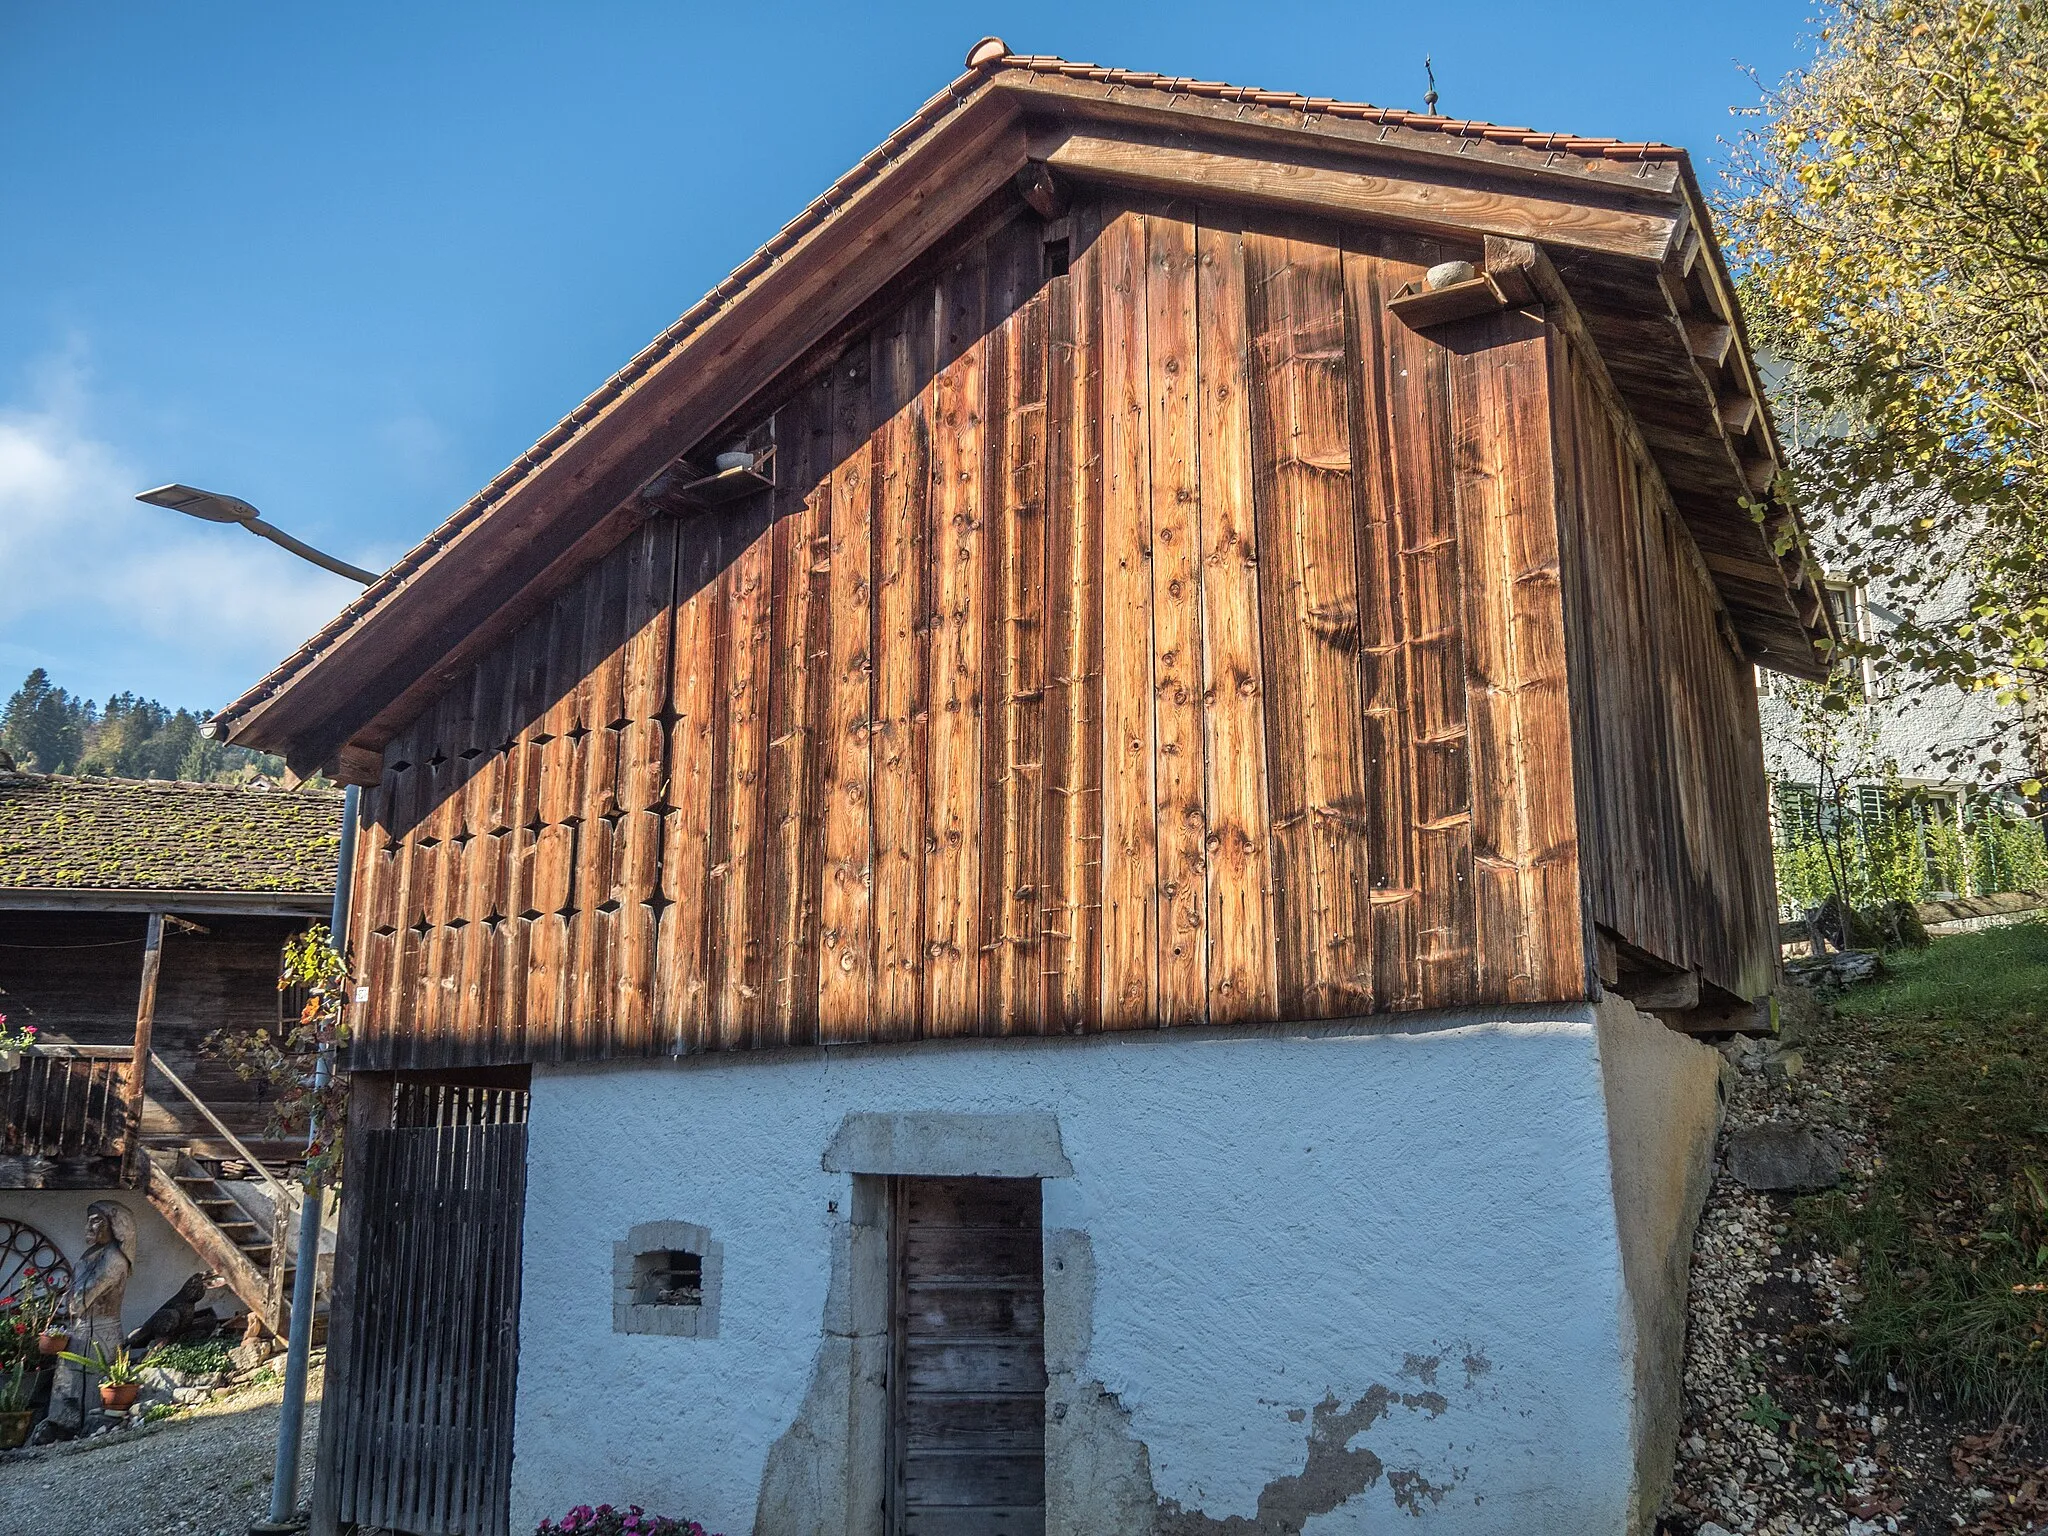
pixel 347 262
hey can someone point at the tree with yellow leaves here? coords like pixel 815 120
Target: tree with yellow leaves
pixel 1890 224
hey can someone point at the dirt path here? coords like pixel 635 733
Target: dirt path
pixel 206 1473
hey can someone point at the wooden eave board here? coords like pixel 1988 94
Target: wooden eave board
pixel 1348 183
pixel 1646 350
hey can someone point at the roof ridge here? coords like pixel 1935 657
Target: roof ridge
pixel 1455 127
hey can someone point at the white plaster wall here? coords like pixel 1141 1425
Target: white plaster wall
pixel 162 1263
pixel 1664 1111
pixel 1276 1217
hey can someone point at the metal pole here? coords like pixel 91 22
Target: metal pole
pixel 284 1479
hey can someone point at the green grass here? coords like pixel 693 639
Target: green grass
pixel 1952 1231
pixel 192 1359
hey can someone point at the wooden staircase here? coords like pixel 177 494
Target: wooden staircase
pixel 188 1193
pixel 253 1262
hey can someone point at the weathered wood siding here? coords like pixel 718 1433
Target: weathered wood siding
pixel 1170 638
pixel 1672 802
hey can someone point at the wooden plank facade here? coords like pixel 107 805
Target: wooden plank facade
pixel 73 975
pixel 1145 627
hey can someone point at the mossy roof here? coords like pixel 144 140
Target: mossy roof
pixel 63 833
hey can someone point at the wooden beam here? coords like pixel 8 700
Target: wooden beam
pixel 1710 341
pixel 358 765
pixel 1738 414
pixel 138 1063
pixel 1339 191
pixel 1044 192
pixel 1670 993
pixel 205 1239
pixel 195 903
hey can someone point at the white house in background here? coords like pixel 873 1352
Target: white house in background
pixel 1899 753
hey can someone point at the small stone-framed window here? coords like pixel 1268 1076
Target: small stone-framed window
pixel 665 1280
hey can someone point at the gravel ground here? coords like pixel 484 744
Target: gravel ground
pixel 1776 1440
pixel 206 1473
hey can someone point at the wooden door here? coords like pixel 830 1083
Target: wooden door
pixel 416 1421
pixel 968 1441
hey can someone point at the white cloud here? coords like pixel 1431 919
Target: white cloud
pixel 119 595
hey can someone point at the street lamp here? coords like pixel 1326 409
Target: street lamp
pixel 216 508
pixel 284 1482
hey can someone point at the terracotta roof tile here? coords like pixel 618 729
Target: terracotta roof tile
pixel 64 833
pixel 1595 148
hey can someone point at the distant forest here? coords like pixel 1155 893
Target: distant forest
pixel 44 729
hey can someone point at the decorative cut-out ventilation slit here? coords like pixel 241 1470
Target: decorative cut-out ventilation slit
pixel 471 754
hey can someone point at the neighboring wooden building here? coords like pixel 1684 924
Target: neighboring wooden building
pixel 137 917
pixel 1080 580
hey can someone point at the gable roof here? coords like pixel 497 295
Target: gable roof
pixel 156 836
pixel 1636 262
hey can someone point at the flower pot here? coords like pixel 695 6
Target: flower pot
pixel 14 1429
pixel 120 1398
pixel 9 1060
pixel 53 1343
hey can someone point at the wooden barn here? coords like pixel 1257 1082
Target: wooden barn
pixel 138 917
pixel 1053 870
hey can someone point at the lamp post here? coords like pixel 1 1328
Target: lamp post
pixel 213 507
pixel 216 508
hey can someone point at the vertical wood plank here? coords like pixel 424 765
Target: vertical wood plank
pixel 1525 864
pixel 1417 416
pixel 902 661
pixel 1072 910
pixel 1382 610
pixel 1239 922
pixel 846 965
pixel 953 823
pixel 643 782
pixel 1310 625
pixel 683 971
pixel 1180 746
pixel 1130 870
pixel 796 689
pixel 1014 850
pixel 743 1017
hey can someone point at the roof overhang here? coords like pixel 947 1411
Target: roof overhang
pixel 1626 233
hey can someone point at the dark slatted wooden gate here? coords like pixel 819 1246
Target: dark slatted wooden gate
pixel 969 1377
pixel 416 1431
